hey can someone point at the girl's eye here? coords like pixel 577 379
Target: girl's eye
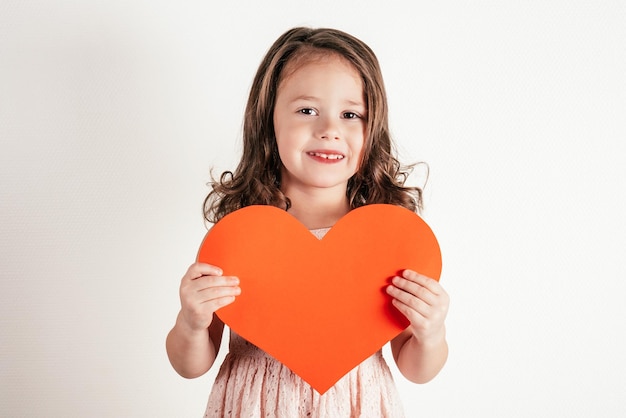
pixel 307 111
pixel 350 115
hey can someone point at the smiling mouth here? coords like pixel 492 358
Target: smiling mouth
pixel 326 155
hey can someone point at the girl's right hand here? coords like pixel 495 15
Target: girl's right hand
pixel 203 290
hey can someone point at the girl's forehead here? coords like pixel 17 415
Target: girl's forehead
pixel 314 56
pixel 328 76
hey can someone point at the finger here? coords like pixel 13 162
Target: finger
pixel 206 288
pixel 213 293
pixel 441 297
pixel 218 303
pixel 431 284
pixel 197 270
pixel 416 319
pixel 408 300
pixel 206 282
pixel 414 289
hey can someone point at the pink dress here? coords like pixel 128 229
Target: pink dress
pixel 252 384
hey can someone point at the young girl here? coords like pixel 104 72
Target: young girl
pixel 316 144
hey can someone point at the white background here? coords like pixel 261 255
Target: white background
pixel 113 112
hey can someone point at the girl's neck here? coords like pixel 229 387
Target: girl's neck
pixel 318 210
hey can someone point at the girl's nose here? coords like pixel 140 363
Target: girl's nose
pixel 328 128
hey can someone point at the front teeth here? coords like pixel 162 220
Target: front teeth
pixel 327 156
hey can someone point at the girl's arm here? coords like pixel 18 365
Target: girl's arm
pixel 194 341
pixel 192 353
pixel 421 350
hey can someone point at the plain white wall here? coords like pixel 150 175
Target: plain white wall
pixel 113 112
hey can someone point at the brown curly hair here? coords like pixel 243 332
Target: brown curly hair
pixel 256 180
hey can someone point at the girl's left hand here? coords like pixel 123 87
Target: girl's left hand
pixel 423 301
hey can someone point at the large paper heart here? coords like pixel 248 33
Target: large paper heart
pixel 319 306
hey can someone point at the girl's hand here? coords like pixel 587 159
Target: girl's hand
pixel 424 302
pixel 203 290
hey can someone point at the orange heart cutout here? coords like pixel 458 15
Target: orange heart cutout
pixel 319 306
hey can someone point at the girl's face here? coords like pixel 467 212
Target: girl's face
pixel 320 119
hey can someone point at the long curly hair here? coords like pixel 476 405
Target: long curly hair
pixel 380 177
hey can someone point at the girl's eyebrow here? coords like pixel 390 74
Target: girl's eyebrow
pixel 305 98
pixel 314 99
pixel 355 103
